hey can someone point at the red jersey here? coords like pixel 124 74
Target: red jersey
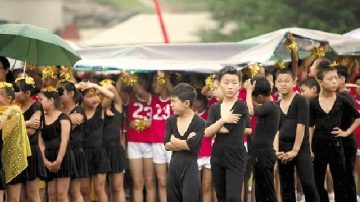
pixel 205 149
pixel 211 100
pixel 161 112
pixel 357 130
pixel 139 109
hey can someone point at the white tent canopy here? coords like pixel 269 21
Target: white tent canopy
pixel 264 49
pixel 354 33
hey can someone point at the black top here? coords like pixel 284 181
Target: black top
pixel 298 113
pixel 236 131
pixel 94 130
pixel 77 134
pixel 36 106
pixel 267 124
pixel 197 125
pixel 112 126
pixel 325 122
pixel 51 133
pixel 347 119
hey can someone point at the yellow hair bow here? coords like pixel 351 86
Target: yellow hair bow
pixel 106 82
pixel 49 72
pixel 6 85
pixel 49 89
pixel 28 80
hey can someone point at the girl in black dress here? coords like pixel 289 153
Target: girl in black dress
pixel 54 145
pixel 98 162
pixel 70 98
pixel 34 117
pixel 112 142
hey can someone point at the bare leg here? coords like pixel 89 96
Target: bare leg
pixel 32 190
pixel 206 183
pixel 75 192
pixel 149 178
pixel 136 168
pixel 99 185
pixel 62 189
pixel 117 187
pixel 85 188
pixel 161 175
pixel 13 193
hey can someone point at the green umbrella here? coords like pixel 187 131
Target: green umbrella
pixel 35 45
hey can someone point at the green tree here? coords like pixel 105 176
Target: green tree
pixel 255 17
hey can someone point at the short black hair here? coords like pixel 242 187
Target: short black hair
pixel 201 98
pixel 70 87
pixel 54 95
pixel 323 67
pixel 229 70
pixel 185 91
pixel 342 72
pixel 311 82
pixel 285 71
pixel 262 86
pixel 10 78
pixel 10 92
pixel 21 85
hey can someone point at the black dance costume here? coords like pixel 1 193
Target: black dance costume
pixel 2 173
pixel 115 151
pixel 51 134
pixel 263 153
pixel 183 183
pixel 228 157
pixel 76 142
pixel 329 149
pixel 298 113
pixel 98 162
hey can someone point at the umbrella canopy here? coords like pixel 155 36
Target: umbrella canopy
pixel 35 45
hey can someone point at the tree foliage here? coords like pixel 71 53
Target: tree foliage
pixel 254 17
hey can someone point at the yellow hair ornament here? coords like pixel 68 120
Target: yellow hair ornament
pixel 49 89
pixel 6 85
pixel 106 82
pixel 281 64
pixel 28 80
pixel 334 64
pixel 292 46
pixel 30 67
pixel 49 72
pixel 161 80
pixel 254 69
pixel 318 52
pixel 66 74
pixel 139 125
pixel 209 81
pixel 130 80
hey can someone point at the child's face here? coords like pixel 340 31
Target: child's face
pixel 284 83
pixel 330 81
pixel 45 102
pixel 307 92
pixel 357 90
pixel 179 106
pixel 4 98
pixel 91 99
pixel 230 85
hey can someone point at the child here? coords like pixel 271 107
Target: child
pixel 184 132
pixel 205 152
pixel 34 118
pixel 309 88
pixel 293 140
pixel 14 143
pixel 266 127
pixel 161 112
pixel 227 119
pixel 326 113
pixel 53 143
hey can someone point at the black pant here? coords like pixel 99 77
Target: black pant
pixel 350 148
pixel 304 169
pixel 183 183
pixel 228 175
pixel 329 150
pixel 264 162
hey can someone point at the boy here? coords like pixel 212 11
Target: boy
pixel 227 119
pixel 184 132
pixel 326 117
pixel 293 140
pixel 267 114
pixel 309 88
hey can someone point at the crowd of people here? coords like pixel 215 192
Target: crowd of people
pixel 70 136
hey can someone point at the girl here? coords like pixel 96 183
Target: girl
pixel 70 99
pixel 112 142
pixel 34 118
pixel 98 162
pixel 14 142
pixel 54 145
